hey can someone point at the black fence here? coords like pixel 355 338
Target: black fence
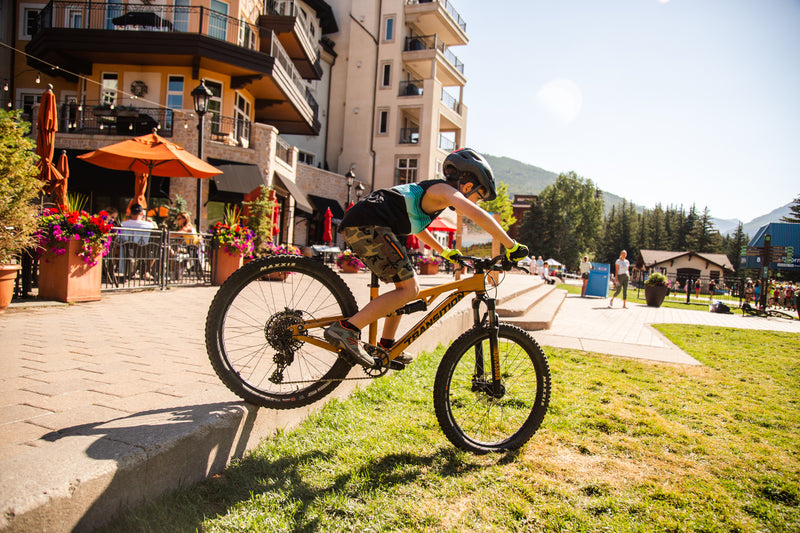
pixel 728 289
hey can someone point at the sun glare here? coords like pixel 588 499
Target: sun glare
pixel 562 98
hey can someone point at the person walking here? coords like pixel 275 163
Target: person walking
pixel 621 276
pixel 585 268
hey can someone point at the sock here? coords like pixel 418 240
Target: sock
pixel 386 343
pixel 348 325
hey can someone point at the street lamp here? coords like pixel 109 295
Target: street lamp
pixel 350 178
pixel 359 191
pixel 200 94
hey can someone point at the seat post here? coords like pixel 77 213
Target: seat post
pixel 373 293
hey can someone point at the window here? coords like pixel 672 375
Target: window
pixel 439 169
pixel 74 18
pixel 386 75
pixel 108 91
pixel 247 37
pixel 406 171
pixel 215 104
pixel 113 10
pixel 27 19
pixel 305 158
pixel 218 20
pixel 383 122
pixel 180 22
pixel 175 92
pixel 242 120
pixel 388 34
pixel 28 101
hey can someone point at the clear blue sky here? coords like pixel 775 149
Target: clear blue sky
pixel 671 101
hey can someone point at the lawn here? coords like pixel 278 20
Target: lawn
pixel 627 445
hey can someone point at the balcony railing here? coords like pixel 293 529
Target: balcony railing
pixel 151 18
pixel 289 8
pixel 451 101
pixel 411 88
pixel 409 135
pixel 432 42
pixel 279 53
pixel 233 131
pixel 282 151
pixel 448 7
pixel 98 119
pixel 447 144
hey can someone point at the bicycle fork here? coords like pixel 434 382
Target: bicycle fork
pixel 494 387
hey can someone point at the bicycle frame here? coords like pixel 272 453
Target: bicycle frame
pixel 476 283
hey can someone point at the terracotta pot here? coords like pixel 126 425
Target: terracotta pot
pixel 654 295
pixel 349 269
pixel 67 278
pixel 8 273
pixel 428 269
pixel 225 264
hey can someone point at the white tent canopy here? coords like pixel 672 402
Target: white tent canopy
pixel 553 262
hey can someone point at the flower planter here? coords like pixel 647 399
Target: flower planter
pixel 654 294
pixel 8 273
pixel 225 264
pixel 428 269
pixel 349 269
pixel 67 278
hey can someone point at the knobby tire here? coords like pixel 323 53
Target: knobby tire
pixel 474 420
pixel 246 331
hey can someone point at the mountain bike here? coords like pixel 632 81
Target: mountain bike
pixel 749 310
pixel 264 336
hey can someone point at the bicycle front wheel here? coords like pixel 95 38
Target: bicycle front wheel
pixel 779 314
pixel 248 337
pixel 474 415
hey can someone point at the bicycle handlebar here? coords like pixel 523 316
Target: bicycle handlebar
pixel 481 264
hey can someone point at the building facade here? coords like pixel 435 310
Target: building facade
pixel 298 87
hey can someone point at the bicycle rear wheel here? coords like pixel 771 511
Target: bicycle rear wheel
pixel 472 415
pixel 779 314
pixel 248 340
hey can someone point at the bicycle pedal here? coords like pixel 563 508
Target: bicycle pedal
pixel 396 365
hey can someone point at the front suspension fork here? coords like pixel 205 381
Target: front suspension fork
pixel 495 387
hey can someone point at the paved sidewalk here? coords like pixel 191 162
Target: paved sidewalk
pixel 589 324
pixel 104 404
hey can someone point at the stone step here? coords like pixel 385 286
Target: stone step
pixel 541 315
pixel 523 301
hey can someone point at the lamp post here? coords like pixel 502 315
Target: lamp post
pixel 350 178
pixel 200 94
pixel 359 191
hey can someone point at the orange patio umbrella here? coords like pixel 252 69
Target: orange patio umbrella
pixel 150 155
pixel 46 127
pixel 60 188
pixel 276 213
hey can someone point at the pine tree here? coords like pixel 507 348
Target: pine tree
pixel 795 209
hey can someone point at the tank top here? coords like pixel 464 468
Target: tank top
pixel 398 208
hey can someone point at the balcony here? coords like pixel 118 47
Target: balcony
pixel 450 101
pixel 421 50
pixel 411 88
pixel 437 17
pixel 97 119
pixel 77 35
pixel 409 135
pixel 296 32
pixel 447 142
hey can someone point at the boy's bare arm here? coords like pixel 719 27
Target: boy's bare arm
pixel 427 238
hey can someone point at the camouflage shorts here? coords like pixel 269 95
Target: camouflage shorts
pixel 381 251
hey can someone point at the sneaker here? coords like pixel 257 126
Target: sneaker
pixel 350 342
pixel 404 358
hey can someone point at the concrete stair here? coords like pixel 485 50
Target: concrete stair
pixel 533 308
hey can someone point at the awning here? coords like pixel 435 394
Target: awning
pixel 440 224
pixel 237 177
pixel 321 204
pixel 300 201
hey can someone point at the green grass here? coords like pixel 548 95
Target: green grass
pixel 626 445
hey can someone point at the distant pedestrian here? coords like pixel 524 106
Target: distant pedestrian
pixel 688 290
pixel 712 288
pixel 585 268
pixel 621 276
pixel 697 288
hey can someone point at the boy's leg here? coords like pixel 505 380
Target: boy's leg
pixel 404 292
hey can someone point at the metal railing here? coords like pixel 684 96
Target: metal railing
pixel 95 118
pixel 411 88
pixel 150 18
pixel 279 53
pixel 451 101
pixel 448 7
pixel 289 8
pixel 432 42
pixel 282 149
pixel 728 289
pixel 233 131
pixel 447 144
pixel 409 135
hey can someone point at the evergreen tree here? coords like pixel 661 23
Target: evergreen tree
pixel 795 209
pixel 704 237
pixel 734 246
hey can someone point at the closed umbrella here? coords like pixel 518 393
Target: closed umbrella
pixel 412 242
pixel 46 127
pixel 276 220
pixel 151 155
pixel 327 235
pixel 60 188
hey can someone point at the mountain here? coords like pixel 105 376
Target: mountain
pixel 522 178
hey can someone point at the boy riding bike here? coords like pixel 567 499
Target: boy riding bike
pixel 376 227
